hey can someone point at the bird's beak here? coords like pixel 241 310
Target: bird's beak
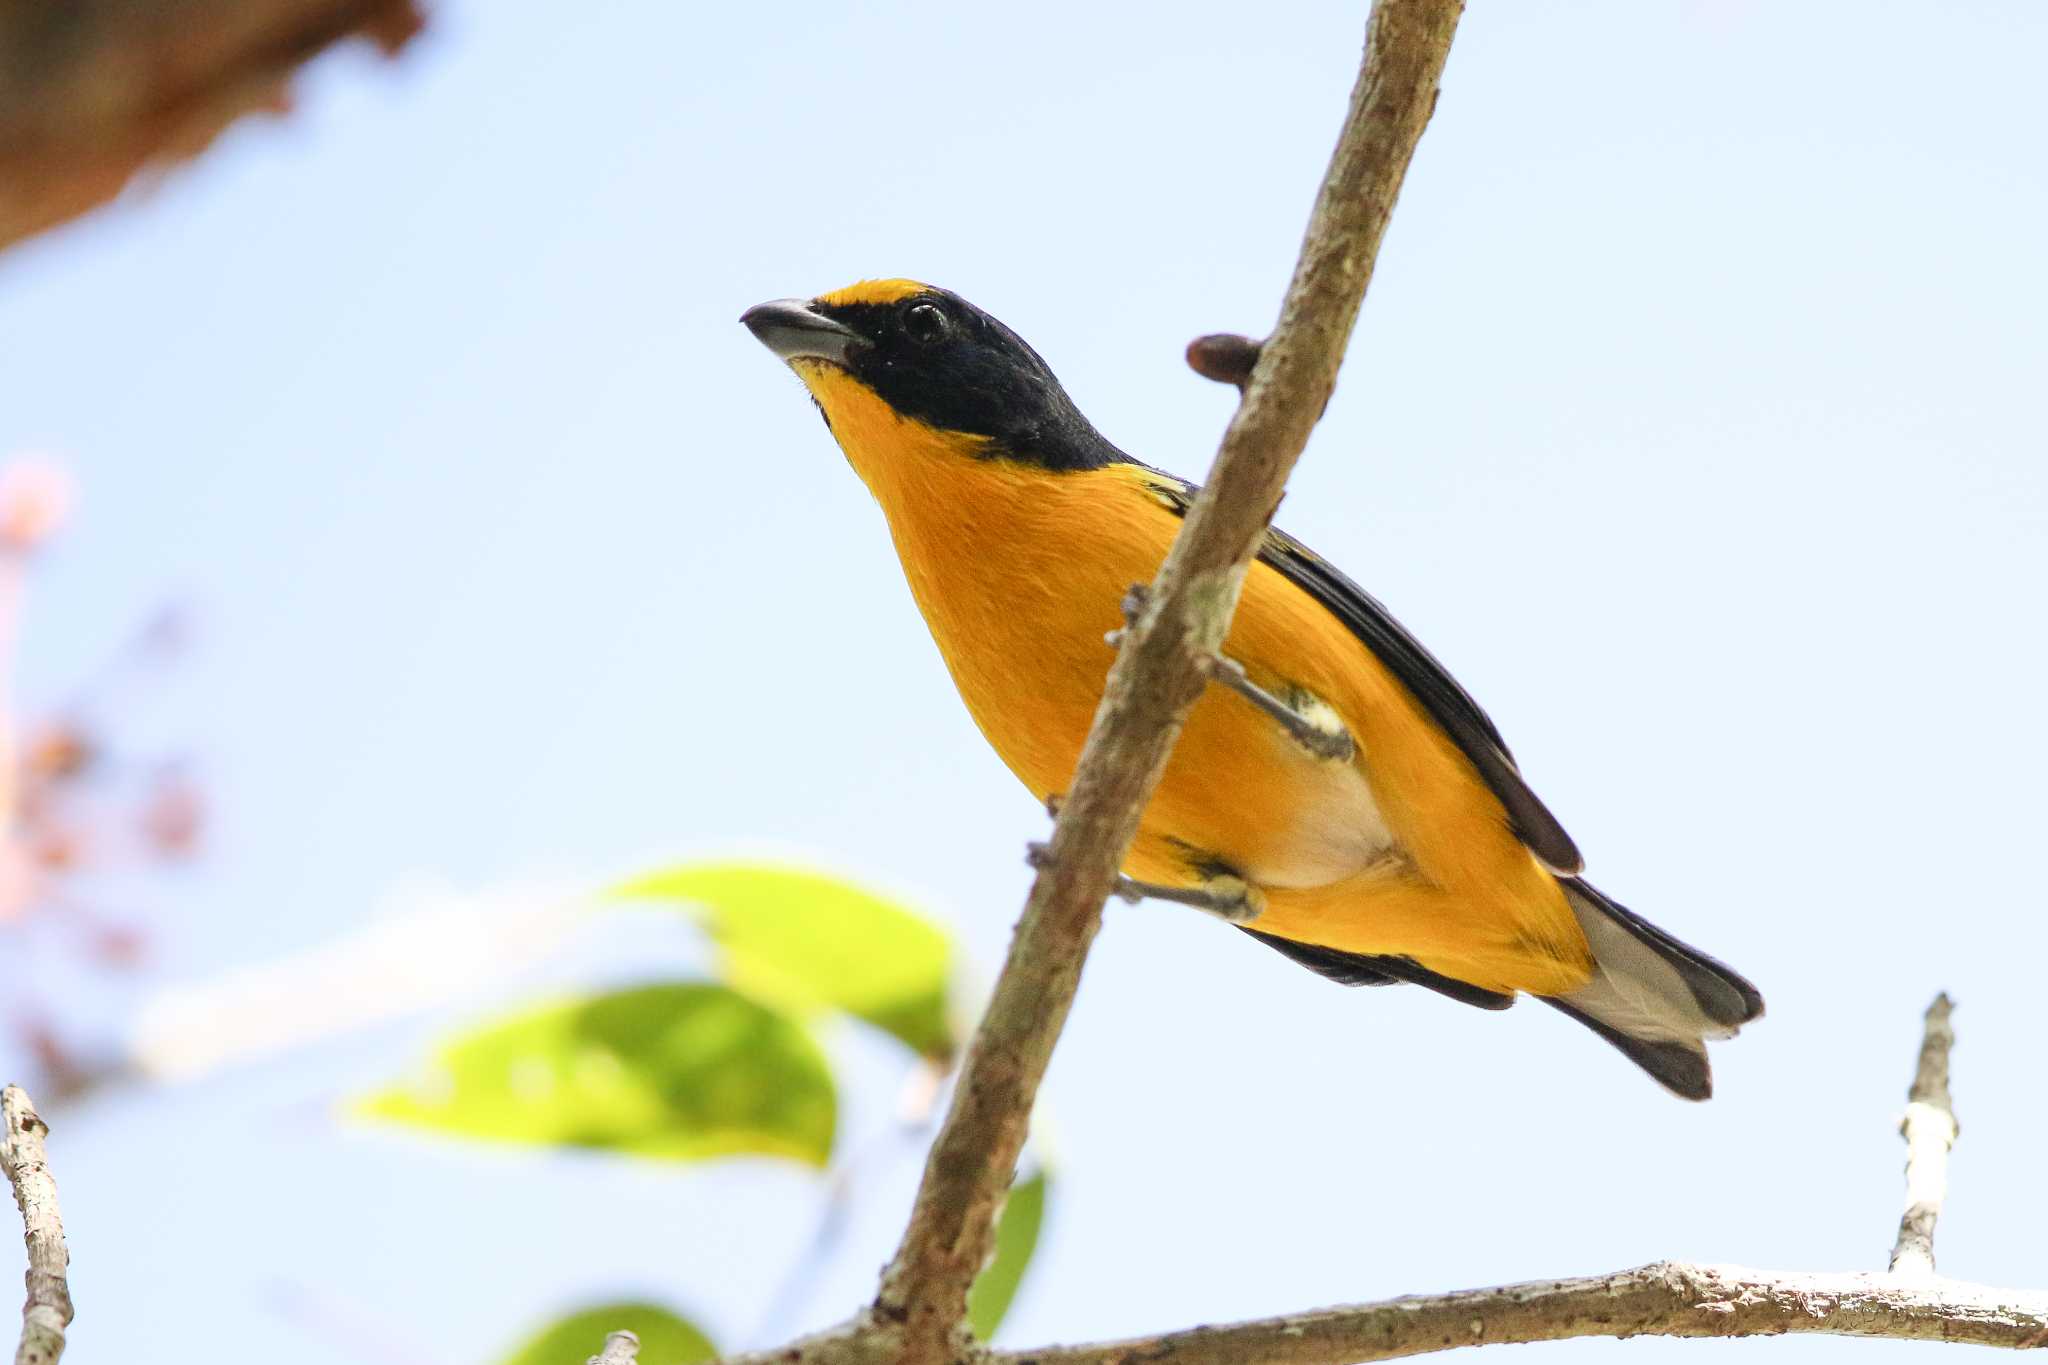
pixel 795 331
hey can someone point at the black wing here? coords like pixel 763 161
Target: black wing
pixel 1432 685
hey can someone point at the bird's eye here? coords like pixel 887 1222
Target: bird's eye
pixel 924 323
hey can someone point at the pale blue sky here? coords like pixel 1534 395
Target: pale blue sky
pixel 1694 420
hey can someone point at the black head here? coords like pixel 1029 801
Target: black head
pixel 935 358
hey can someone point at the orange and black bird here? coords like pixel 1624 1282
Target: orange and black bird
pixel 1344 802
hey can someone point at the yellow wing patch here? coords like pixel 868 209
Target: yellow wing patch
pixel 873 291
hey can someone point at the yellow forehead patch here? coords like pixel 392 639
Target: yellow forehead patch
pixel 873 291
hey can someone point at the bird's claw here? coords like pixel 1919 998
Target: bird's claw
pixel 1231 899
pixel 1312 722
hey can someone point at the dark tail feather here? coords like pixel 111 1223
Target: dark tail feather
pixel 1653 997
pixel 1679 1067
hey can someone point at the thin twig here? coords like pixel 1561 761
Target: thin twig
pixel 1929 1127
pixel 48 1310
pixel 1155 680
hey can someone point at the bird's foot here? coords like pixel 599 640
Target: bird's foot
pixel 1228 897
pixel 1231 899
pixel 1312 722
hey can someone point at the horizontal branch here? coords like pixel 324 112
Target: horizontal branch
pixel 1668 1299
pixel 48 1310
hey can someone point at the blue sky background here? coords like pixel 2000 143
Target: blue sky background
pixel 1694 419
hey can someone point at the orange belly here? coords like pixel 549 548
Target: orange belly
pixel 1019 574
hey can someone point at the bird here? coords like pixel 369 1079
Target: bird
pixel 1339 798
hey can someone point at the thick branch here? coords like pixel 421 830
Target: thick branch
pixel 1666 1299
pixel 92 91
pixel 1929 1127
pixel 1156 679
pixel 48 1310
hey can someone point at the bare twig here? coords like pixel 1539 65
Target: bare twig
pixel 48 1310
pixel 92 91
pixel 620 1348
pixel 1929 1127
pixel 1665 1299
pixel 1156 679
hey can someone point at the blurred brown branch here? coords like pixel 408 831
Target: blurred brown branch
pixel 48 1310
pixel 94 91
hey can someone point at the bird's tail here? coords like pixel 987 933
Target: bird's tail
pixel 1653 997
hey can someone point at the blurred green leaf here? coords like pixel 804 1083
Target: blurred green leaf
pixel 677 1072
pixel 814 942
pixel 665 1339
pixel 1016 1239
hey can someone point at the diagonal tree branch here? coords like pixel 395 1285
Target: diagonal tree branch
pixel 48 1310
pixel 1667 1299
pixel 918 1317
pixel 1156 679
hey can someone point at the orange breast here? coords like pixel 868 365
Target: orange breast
pixel 1019 573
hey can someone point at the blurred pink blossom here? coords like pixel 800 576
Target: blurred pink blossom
pixel 35 495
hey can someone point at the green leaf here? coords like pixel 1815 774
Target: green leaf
pixel 813 942
pixel 676 1072
pixel 1016 1239
pixel 665 1339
